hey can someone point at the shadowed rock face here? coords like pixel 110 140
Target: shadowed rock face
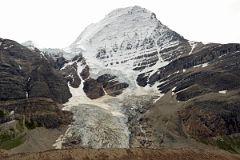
pixel 71 75
pixel 85 72
pixel 47 82
pixel 57 62
pixel 111 85
pixel 93 89
pixel 38 112
pixel 31 88
pixel 212 115
pixel 26 73
pixel 108 83
pixel 205 80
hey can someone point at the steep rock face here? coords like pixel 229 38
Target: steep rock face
pixel 104 84
pixel 56 61
pixel 37 112
pixel 212 68
pixel 75 71
pixel 55 57
pixel 132 37
pixel 212 115
pixel 26 73
pixel 208 81
pixel 93 89
pixel 111 85
pixel 71 75
pixel 47 82
pixel 85 73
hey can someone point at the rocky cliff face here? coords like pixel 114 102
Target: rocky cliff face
pixel 31 91
pixel 205 80
pixel 27 73
pixel 37 112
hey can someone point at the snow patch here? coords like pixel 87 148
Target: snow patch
pixel 58 144
pixel 222 92
pixel 11 113
pixel 201 65
pixel 176 72
pixel 173 89
pixel 193 46
pixel 155 100
pixel 204 65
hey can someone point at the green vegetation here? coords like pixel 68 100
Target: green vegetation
pixel 11 143
pixel 228 143
pixel 5 136
pixel 12 137
pixel 225 145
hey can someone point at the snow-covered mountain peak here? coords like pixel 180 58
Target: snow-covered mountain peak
pixel 118 27
pixel 133 10
pixel 127 42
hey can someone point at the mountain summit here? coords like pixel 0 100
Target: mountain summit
pixel 130 37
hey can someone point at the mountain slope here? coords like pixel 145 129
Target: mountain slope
pixel 31 93
pixel 149 60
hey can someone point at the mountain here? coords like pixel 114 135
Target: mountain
pixel 128 40
pixel 132 54
pixel 130 82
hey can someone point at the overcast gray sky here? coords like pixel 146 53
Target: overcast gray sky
pixel 56 23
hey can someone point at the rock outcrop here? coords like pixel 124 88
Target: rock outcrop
pixel 71 74
pixel 93 89
pixel 212 115
pixel 26 73
pixel 35 112
pixel 111 85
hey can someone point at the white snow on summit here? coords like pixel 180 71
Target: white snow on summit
pixel 129 37
pixel 125 24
